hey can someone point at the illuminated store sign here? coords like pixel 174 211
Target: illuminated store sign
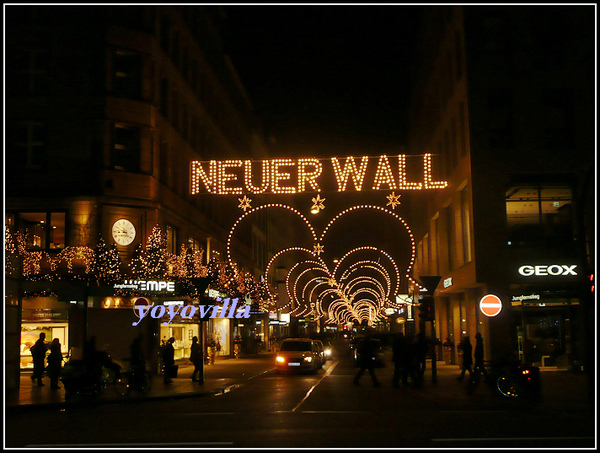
pixel 290 176
pixel 146 286
pixel 548 270
pixel 526 297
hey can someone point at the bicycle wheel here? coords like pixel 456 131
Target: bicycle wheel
pixel 122 385
pixel 508 387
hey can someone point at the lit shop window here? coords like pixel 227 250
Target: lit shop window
pixel 43 230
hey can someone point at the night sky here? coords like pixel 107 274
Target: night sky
pixel 326 79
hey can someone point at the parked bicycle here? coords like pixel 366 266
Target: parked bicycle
pixel 134 378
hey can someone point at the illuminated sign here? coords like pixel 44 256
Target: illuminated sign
pixel 490 305
pixel 290 176
pixel 447 282
pixel 524 297
pixel 146 286
pixel 548 270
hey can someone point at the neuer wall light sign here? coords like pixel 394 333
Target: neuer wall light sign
pixel 290 176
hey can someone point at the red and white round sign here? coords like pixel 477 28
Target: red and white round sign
pixel 490 305
pixel 141 302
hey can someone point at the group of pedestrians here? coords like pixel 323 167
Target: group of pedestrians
pixel 410 357
pixel 55 359
pixel 467 358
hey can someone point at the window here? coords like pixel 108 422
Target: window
pixel 465 224
pixel 42 230
pixel 27 144
pixel 126 148
pixel 458 46
pixel 165 165
pixel 171 240
pixel 127 74
pixel 164 97
pixel 539 215
pixel 463 129
pixel 28 70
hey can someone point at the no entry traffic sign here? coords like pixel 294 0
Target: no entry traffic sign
pixel 490 305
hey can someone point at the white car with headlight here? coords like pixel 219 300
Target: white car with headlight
pixel 298 354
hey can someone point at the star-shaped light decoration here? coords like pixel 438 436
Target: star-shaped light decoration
pixel 318 204
pixel 244 203
pixel 393 200
pixel 318 249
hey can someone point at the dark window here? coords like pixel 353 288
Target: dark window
pixel 27 70
pixel 539 216
pixel 126 148
pixel 27 144
pixel 165 33
pixel 127 74
pixel 164 97
pixel 463 129
pixel 501 130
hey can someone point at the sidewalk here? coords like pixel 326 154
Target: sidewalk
pixel 223 376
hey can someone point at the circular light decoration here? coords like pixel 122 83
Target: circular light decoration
pixel 490 305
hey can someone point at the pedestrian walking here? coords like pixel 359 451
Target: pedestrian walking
pixel 55 360
pixel 366 360
pixel 197 359
pixel 168 356
pixel 479 368
pixel 467 351
pixel 401 355
pixel 38 352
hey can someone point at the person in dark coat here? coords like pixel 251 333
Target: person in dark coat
pixel 55 363
pixel 366 353
pixel 138 363
pixel 467 350
pixel 197 359
pixel 168 356
pixel 479 367
pixel 38 352
pixel 420 348
pixel 402 357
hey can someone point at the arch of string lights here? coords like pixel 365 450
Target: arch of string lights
pixel 309 298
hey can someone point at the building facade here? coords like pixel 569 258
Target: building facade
pixel 504 95
pixel 106 106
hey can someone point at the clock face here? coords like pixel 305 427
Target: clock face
pixel 123 232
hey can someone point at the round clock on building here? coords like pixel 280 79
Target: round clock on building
pixel 123 232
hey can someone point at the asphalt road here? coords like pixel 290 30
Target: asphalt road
pixel 324 410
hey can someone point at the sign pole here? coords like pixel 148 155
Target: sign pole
pixel 431 282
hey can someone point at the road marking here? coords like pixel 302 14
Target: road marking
pixel 495 439
pixel 130 445
pixel 327 373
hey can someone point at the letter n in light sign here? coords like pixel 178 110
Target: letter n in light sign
pixel 490 305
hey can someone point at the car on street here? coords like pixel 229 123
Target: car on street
pixel 298 354
pixel 327 349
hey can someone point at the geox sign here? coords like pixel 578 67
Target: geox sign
pixel 548 270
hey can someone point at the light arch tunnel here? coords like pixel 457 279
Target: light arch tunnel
pixel 363 283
